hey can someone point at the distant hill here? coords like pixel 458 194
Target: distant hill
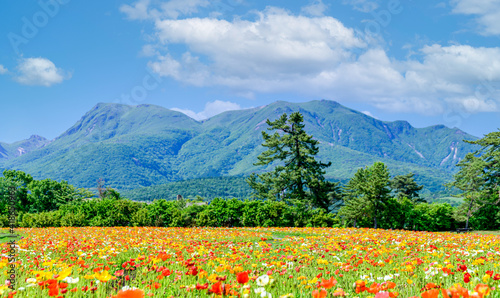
pixel 8 151
pixel 146 145
pixel 207 188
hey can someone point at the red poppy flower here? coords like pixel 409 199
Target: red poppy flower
pixel 242 277
pixel 201 287
pixel 216 288
pixel 466 277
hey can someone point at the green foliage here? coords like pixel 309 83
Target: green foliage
pixel 301 178
pixel 35 196
pixel 73 220
pixel 164 213
pixel 221 213
pixel 433 217
pixel 146 145
pixel 479 176
pixel 367 193
pixel 405 186
pixel 141 218
pixel 487 217
pixel 397 214
pixel 355 206
pixel 41 220
pixel 208 188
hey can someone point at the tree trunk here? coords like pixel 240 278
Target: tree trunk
pixel 300 184
pixel 468 213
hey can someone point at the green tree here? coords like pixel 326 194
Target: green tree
pixel 405 186
pixel 20 181
pixel 377 189
pixel 479 175
pixel 49 195
pixel 355 205
pixel 367 193
pixel 298 177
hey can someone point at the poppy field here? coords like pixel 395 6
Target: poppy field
pixel 250 262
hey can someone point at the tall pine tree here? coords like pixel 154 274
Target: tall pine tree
pixel 479 175
pixel 367 193
pixel 405 186
pixel 298 177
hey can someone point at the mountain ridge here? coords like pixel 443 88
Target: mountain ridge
pixel 144 145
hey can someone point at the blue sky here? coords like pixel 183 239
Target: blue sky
pixel 427 62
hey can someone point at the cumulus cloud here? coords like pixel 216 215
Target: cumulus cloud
pixel 320 57
pixel 211 109
pixel 487 14
pixel 3 70
pixel 277 45
pixel 39 71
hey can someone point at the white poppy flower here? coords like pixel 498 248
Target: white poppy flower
pixel 262 280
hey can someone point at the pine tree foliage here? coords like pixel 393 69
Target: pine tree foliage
pixel 298 176
pixel 479 175
pixel 405 186
pixel 367 193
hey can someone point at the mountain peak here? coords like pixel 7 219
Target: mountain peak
pixel 37 138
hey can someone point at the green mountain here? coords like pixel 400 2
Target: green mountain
pixel 8 151
pixel 147 145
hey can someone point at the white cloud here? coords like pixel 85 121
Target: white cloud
pixel 149 50
pixel 276 46
pixel 3 70
pixel 368 113
pixel 315 9
pixel 487 14
pixel 320 57
pixel 144 9
pixel 175 8
pixel 211 109
pixel 39 71
pixel 362 5
pixel 137 11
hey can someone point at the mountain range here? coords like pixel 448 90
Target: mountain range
pixel 146 145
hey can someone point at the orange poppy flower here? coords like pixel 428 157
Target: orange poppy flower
pixel 135 293
pixel 319 294
pixel 482 289
pixel 328 283
pixel 431 293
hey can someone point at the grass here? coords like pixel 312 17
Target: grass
pixel 5 236
pixel 487 232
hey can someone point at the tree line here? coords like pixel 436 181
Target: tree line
pixel 294 193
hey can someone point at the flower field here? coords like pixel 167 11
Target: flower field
pixel 251 262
